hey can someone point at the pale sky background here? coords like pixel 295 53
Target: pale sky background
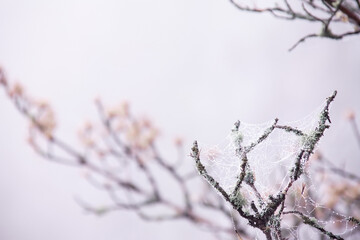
pixel 194 67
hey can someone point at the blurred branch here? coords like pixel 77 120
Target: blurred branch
pixel 131 141
pixel 354 126
pixel 338 171
pixel 326 12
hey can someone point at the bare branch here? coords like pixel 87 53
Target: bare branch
pixel 327 9
pixel 313 223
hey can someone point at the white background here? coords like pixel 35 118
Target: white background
pixel 193 67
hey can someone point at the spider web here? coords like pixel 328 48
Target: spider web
pixel 270 162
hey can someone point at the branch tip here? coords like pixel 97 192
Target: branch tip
pixel 195 151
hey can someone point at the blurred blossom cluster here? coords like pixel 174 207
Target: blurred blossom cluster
pixel 138 133
pixel 40 112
